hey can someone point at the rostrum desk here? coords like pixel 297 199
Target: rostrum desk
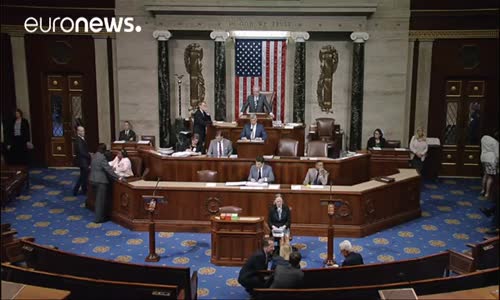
pixel 367 207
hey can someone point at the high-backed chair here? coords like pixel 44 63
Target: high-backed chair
pixel 207 176
pixel 392 143
pixel 317 149
pixel 287 147
pixel 326 131
pixel 150 138
pixel 270 95
pixel 230 209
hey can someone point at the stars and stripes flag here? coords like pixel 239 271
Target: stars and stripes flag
pixel 261 63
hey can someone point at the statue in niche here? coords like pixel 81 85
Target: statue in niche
pixel 193 56
pixel 329 60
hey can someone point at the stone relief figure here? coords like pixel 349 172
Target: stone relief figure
pixel 193 55
pixel 329 60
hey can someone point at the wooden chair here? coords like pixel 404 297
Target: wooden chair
pixel 270 96
pixel 86 288
pixel 392 144
pixel 207 176
pixel 46 259
pixel 317 149
pixel 287 147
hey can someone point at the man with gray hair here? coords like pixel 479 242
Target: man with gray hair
pixel 256 102
pixel 253 131
pixel 351 258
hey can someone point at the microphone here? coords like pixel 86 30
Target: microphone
pixel 156 186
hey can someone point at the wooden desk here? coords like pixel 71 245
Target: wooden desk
pixel 251 149
pixel 131 147
pixel 345 171
pixel 384 161
pixel 13 290
pixel 489 292
pixel 232 132
pixel 368 207
pixel 235 241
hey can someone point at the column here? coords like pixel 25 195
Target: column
pixel 20 74
pixel 102 88
pixel 358 65
pixel 163 87
pixel 423 84
pixel 299 78
pixel 220 74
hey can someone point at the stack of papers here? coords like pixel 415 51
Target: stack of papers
pixel 400 149
pixel 296 187
pixel 143 142
pixel 236 183
pixel 119 142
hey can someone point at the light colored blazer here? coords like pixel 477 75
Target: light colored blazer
pixel 267 173
pixel 213 149
pixel 123 167
pixel 417 146
pixel 311 176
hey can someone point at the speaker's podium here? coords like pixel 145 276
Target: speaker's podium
pixel 262 118
pixel 234 241
pixel 251 148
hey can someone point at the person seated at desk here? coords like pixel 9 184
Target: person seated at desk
pixel 351 258
pixel 256 102
pixel 249 276
pixel 220 147
pixel 279 214
pixel 121 164
pixel 377 140
pixel 260 172
pixel 127 134
pixel 195 145
pixel 317 175
pixel 253 131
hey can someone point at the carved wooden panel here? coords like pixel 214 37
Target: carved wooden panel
pixel 475 88
pixel 55 82
pixel 453 88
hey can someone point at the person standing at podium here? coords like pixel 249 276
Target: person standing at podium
pixel 127 134
pixel 260 172
pixel 201 120
pixel 256 103
pixel 220 147
pixel 254 130
pixel 317 175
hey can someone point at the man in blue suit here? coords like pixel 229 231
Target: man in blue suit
pixel 261 172
pixel 253 131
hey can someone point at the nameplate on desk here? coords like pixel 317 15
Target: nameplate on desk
pixel 119 142
pixel 296 187
pixel 233 156
pixel 143 142
pixel 274 187
pixel 376 148
pixel 210 184
pixel 268 156
pixel 261 184
pixel 400 149
pixel 288 127
pixel 251 187
pixel 315 186
pixel 236 183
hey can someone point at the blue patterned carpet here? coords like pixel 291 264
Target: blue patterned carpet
pixel 50 213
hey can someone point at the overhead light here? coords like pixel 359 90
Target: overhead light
pixel 259 34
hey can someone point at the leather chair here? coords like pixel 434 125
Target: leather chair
pixel 287 147
pixel 150 138
pixel 207 176
pixel 270 95
pixel 392 143
pixel 137 167
pixel 325 131
pixel 317 149
pixel 230 209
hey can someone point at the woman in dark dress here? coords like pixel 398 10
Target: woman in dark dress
pixel 377 140
pixel 18 140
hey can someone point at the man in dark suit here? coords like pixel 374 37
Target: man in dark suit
pixel 249 277
pixel 351 258
pixel 99 172
pixel 253 131
pixel 201 120
pixel 256 102
pixel 127 134
pixel 82 160
pixel 289 276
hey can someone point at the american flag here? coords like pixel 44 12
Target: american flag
pixel 262 63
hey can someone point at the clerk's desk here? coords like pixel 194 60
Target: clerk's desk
pixel 367 207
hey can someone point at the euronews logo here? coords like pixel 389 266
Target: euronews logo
pixel 94 25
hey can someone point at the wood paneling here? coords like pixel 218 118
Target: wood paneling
pixel 8 91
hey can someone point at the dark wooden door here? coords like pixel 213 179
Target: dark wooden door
pixel 465 100
pixel 64 94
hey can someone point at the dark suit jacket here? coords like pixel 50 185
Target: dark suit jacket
pixel 199 147
pixel 100 169
pixel 261 104
pixel 82 153
pixel 259 131
pixel 130 137
pixel 256 262
pixel 353 259
pixel 25 132
pixel 287 277
pixel 286 218
pixel 201 120
pixel 371 143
